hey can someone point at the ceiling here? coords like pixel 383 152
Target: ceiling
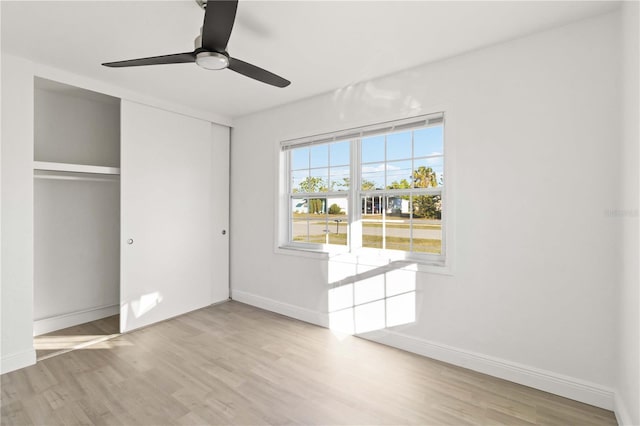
pixel 320 46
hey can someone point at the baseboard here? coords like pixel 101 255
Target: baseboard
pixel 47 325
pixel 548 381
pixel 17 361
pixel 621 412
pixel 558 384
pixel 302 314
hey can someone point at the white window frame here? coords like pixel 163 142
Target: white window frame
pixel 284 243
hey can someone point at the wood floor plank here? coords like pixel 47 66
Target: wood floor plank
pixel 235 364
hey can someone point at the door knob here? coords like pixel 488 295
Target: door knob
pixel 130 241
pixel 224 232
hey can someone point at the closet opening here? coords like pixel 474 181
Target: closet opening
pixel 76 217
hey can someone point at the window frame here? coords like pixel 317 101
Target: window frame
pixel 284 222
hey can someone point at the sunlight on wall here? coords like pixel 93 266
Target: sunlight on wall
pixel 382 96
pixel 366 298
pixel 146 303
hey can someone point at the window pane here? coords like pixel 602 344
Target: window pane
pixel 372 221
pixel 299 207
pixel 299 228
pixel 372 176
pixel 373 149
pixel 299 158
pixel 340 153
pixel 320 156
pixel 397 206
pixel 318 230
pixel 427 223
pixel 317 182
pixel 399 174
pixel 317 206
pixel 339 178
pixel 399 146
pixel 297 178
pixel 398 224
pixel 428 141
pixel 300 232
pixel 337 221
pixel 428 172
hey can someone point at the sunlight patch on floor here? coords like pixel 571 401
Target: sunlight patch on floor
pixel 64 344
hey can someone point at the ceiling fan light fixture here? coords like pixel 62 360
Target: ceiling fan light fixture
pixel 212 60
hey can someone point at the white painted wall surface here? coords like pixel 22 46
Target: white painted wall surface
pixel 76 245
pixel 533 132
pixel 76 129
pixel 628 365
pixel 17 213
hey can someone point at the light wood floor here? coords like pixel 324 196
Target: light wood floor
pixel 64 340
pixel 236 364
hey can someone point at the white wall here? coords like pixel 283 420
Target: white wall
pixel 533 130
pixel 78 129
pixel 17 213
pixel 628 371
pixel 76 249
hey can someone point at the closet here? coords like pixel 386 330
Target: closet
pixel 76 206
pixel 130 210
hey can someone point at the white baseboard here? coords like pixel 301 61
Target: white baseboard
pixel 622 414
pixel 302 314
pixel 548 381
pixel 17 361
pixel 47 325
pixel 558 384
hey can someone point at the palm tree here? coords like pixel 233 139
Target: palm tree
pixel 426 205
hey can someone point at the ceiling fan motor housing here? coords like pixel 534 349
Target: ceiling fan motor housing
pixel 212 60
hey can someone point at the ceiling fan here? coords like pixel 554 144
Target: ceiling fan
pixel 211 47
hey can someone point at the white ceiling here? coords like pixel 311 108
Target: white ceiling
pixel 320 46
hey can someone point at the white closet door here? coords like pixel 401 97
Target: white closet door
pixel 172 247
pixel 220 213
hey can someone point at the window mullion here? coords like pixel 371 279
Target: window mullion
pixel 355 213
pixel 289 190
pixel 411 223
pixel 384 185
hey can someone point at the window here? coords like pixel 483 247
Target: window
pixel 374 188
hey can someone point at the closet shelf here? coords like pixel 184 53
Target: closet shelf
pixel 77 168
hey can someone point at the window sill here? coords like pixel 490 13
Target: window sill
pixel 302 252
pixel 369 259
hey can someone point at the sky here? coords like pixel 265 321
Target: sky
pixel 330 162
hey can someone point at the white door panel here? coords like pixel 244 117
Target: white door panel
pixel 220 213
pixel 167 209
